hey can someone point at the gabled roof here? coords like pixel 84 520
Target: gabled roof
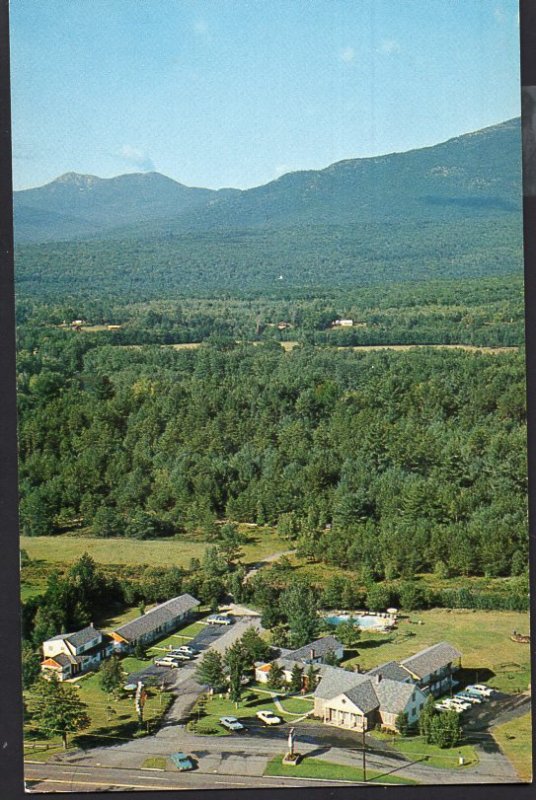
pixel 391 670
pixel 393 695
pixel 364 696
pixel 62 660
pixel 432 658
pixel 78 638
pixel 321 648
pixel 337 681
pixel 165 612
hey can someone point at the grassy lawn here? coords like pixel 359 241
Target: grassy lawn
pixel 112 721
pixel 415 748
pixel 483 638
pixel 28 590
pixel 515 740
pixel 327 770
pixel 296 705
pixel 154 762
pixel 163 552
pixel 216 707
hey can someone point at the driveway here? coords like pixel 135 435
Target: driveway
pixel 184 685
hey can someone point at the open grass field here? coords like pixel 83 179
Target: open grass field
pixel 515 740
pixel 67 548
pixel 470 348
pixel 112 721
pixel 327 770
pixel 483 638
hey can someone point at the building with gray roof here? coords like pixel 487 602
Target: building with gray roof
pixel 317 651
pixel 159 621
pixel 433 668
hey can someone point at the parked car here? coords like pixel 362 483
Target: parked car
pixel 480 689
pixel 231 723
pixel 463 704
pixel 469 698
pixel 456 705
pixel 268 718
pixel 219 619
pixel 441 707
pixel 185 648
pixel 182 761
pixel 166 661
pixel 179 656
pixel 486 691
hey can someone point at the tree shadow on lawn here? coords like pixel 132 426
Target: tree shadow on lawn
pixel 112 735
pixel 263 700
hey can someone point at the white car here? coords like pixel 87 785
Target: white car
pixel 441 707
pixel 190 651
pixel 463 704
pixel 176 656
pixel 268 718
pixel 231 723
pixel 469 698
pixel 480 689
pixel 166 661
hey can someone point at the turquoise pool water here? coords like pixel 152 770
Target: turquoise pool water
pixel 369 621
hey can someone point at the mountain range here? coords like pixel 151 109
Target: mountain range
pixel 476 175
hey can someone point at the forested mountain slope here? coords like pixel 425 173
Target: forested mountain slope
pixel 75 206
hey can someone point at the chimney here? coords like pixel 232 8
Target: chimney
pixel 356 668
pixel 312 653
pixel 378 677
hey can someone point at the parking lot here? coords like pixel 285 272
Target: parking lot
pixel 217 636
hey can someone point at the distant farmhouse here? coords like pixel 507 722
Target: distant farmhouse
pixel 343 323
pixel 359 701
pixel 70 654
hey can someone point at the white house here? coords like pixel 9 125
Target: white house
pixel 69 654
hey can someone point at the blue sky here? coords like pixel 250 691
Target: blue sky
pixel 236 92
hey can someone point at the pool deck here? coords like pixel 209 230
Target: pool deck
pixel 381 622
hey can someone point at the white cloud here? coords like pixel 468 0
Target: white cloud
pixel 136 158
pixel 389 47
pixel 347 55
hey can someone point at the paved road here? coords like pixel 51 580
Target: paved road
pixel 239 756
pixel 89 778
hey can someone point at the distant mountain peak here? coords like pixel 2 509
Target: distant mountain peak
pixel 77 179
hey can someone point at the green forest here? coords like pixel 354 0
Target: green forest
pixel 390 462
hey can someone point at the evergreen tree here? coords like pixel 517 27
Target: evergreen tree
pixel 276 676
pixel 31 665
pixel 235 660
pixel 428 714
pixel 402 723
pixel 348 632
pixel 210 670
pixel 296 678
pixel 311 678
pixel 299 604
pixel 254 645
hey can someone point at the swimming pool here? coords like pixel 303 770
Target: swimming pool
pixel 369 622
